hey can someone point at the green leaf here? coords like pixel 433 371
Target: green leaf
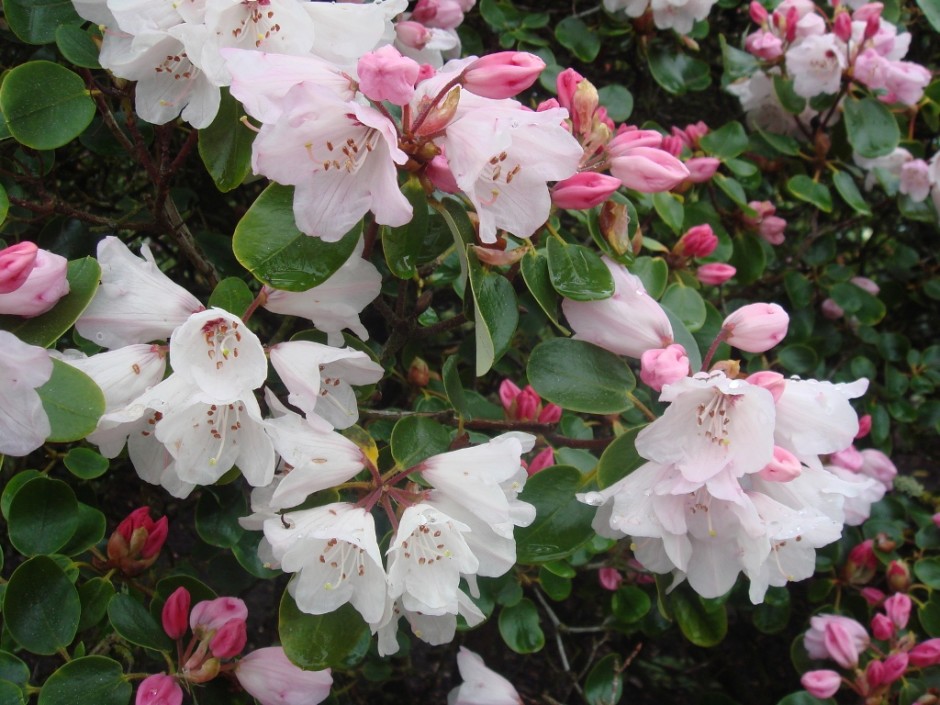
pixel 670 209
pixel 416 438
pixel 618 100
pixel 677 72
pixel 870 126
pixel 536 275
pixel 928 614
pixel 687 304
pixel 798 359
pixel 653 272
pixel 315 642
pixel 630 604
pixel 519 626
pixel 13 670
pixel 85 463
pixel 91 528
pixel 90 679
pixel 45 105
pixel 732 188
pixel 726 142
pixel 931 10
pixel 225 145
pixel 495 314
pixel 77 45
pixel 791 102
pixel 799 289
pixel 133 622
pixel 577 273
pixel 73 402
pixel 804 188
pixel 41 608
pixel 45 330
pixel 233 295
pixel 927 571
pixel 43 516
pixel 748 258
pixel 604 684
pixel 36 21
pixel 846 187
pixel 803 698
pixel 453 387
pixel 217 514
pixel 737 63
pixel 269 245
pixel 403 245
pixel 555 586
pixel 580 376
pixel 13 486
pixel 619 459
pixel 703 622
pixel 246 553
pixel 773 615
pixel 857 302
pixel 782 143
pixel 562 523
pixel 4 199
pixel 573 34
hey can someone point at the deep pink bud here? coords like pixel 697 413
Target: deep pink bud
pixel 629 137
pixel 773 382
pixel 438 171
pixel 175 615
pixel 821 684
pixel 645 169
pixel 864 426
pixel 882 627
pixel 698 241
pixel 549 104
pixel 210 615
pixel 842 26
pixel 861 564
pixel 762 210
pixel 875 673
pixel 899 576
pixel 898 608
pixel 672 144
pixel 384 74
pixel 566 85
pixel 159 689
pixel 609 578
pixel 527 404
pixel 936 520
pixel 45 284
pixel 16 262
pixel 715 273
pixel 664 366
pixel 925 654
pixel 757 12
pixel 229 640
pixel 756 327
pixel 136 542
pixel 783 467
pixel 550 413
pixel 701 169
pixel 771 229
pixel 425 71
pixel 696 131
pixel 508 391
pixel 584 190
pixel 502 75
pixel 872 26
pixel 894 667
pixel 873 596
pixel 543 459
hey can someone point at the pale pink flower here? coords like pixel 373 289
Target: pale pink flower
pixel 270 677
pixel 841 639
pixel 701 169
pixel 443 14
pixel 584 190
pixel 24 424
pixel 915 180
pixel 816 64
pixel 480 686
pixel 764 45
pixel 44 285
pixel 878 466
pixel 821 684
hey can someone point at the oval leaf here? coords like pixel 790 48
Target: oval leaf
pixel 225 146
pixel 519 626
pixel 577 273
pixel 562 523
pixel 133 622
pixel 415 438
pixel 43 516
pixel 315 642
pixel 870 126
pixel 90 679
pixel 495 314
pixel 73 402
pixel 41 608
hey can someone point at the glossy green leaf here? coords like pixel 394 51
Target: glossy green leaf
pixel 225 145
pixel 133 622
pixel 73 402
pixel 77 46
pixel 870 126
pixel 45 330
pixel 4 199
pixel 90 530
pixel 555 586
pixel 269 245
pixel 798 358
pixel 403 245
pixel 495 314
pixel 670 209
pixel 36 21
pixel 791 102
pixel 630 603
pixel 678 72
pixel 90 679
pixel 653 272
pixel 619 459
pixel 453 387
pixel 43 516
pixel 562 523
pixel 928 614
pixel 748 258
pixel 458 222
pixel 41 607
pixel 804 698
pixel 13 670
pixel 577 273
pixel 773 615
pixel 804 188
pixel 14 484
pixel 519 626
pixel 316 642
pixel 416 438
pixel 703 622
pixel 618 100
pixel 85 463
pixel 737 63
pixel 927 571
pixel 535 273
pixel 233 295
pixel 604 684
pixel 580 376
pixel 246 553
pixel 731 188
pixel 931 10
pixel 217 514
pixel 857 302
pixel 687 304
pixel 846 187
pixel 45 105
pixel 573 34
pixel 726 142
pixel 782 143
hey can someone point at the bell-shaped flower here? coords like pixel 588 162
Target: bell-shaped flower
pixel 123 373
pixel 628 323
pixel 136 302
pixel 480 686
pixel 434 629
pixel 319 378
pixel 272 679
pixel 24 424
pixel 45 283
pixel 816 64
pixel 335 553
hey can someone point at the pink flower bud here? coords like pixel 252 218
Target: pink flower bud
pixel 783 467
pixel 841 645
pixel 442 14
pixel 584 190
pixel 882 627
pixel 878 466
pixel 425 71
pixel 229 640
pixel 715 273
pixel 438 171
pixel 861 564
pixel 527 404
pixel 764 45
pixel 136 542
pixel 502 75
pixel 549 104
pixel 550 413
pixel 898 608
pixel 566 84
pixel 936 520
pixel 866 284
pixel 211 615
pixel 646 169
pixel 868 11
pixel 831 310
pixel 176 613
pixel 269 676
pixel 543 459
pixel 771 229
pixel 159 689
pixel 756 327
pixel 894 667
pixel 757 12
pixel 875 673
pixel 698 241
pixel 899 576
pixel 848 458
pixel 609 578
pixel 773 382
pixel 508 391
pixel 629 137
pixel 412 34
pixel 664 366
pixel 821 684
pixel 16 262
pixel 864 426
pixel 45 284
pixel 701 169
pixel 672 144
pixel 384 74
pixel 925 654
pixel 842 26
pixel 696 131
pixel 872 26
pixel 762 210
pixel 839 638
pixel 873 596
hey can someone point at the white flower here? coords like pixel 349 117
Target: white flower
pixel 124 373
pixel 270 677
pixel 434 629
pixel 24 424
pixel 815 64
pixel 480 686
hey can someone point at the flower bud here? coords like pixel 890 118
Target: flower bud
pixel 136 542
pixel 503 74
pixel 882 627
pixel 771 229
pixel 159 689
pixel 839 638
pixel 842 26
pixel 412 34
pixel 229 640
pixel 783 467
pixel 878 466
pixel 698 241
pixel 864 426
pixel 841 645
pixel 875 673
pixel 642 167
pixel 925 654
pixel 269 676
pixel 861 564
pixel 202 672
pixel 584 103
pixel 756 327
pixel 550 413
pixel 543 459
pixel 847 458
pixel 438 171
pixel 831 310
pixel 715 273
pixel 175 615
pixel 664 366
pixel 898 574
pixel 211 615
pixel 868 11
pixel 566 84
pixel 936 520
pixel 16 262
pixel 441 114
pixel 757 12
pixel 696 131
pixel 894 667
pixel 419 374
pixel 873 596
pixel 45 284
pixel 673 144
pixel 441 14
pixel 773 382
pixel 898 609
pixel 527 404
pixel 584 190
pixel 609 578
pixel 821 684
pixel 384 74
pixel 701 169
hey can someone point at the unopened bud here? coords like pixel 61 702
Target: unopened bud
pixel 842 26
pixel 861 564
pixel 715 273
pixel 697 241
pixel 136 542
pixel 756 327
pixel 899 576
pixel 503 74
pixel 175 615
pixel 16 262
pixel 419 374
pixel 229 640
pixel 884 543
pixel 584 190
pixel 757 12
pixel 159 689
pixel 882 627
pixel 609 578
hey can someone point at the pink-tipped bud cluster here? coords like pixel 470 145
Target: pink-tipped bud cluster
pixel 503 74
pixel 526 404
pixel 756 327
pixel 31 280
pixel 136 542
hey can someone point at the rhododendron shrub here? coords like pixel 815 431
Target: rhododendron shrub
pixel 435 351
